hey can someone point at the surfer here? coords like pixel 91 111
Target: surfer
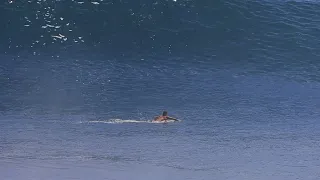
pixel 164 117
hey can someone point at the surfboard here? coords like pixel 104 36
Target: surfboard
pixel 168 121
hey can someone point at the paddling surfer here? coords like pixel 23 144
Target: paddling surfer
pixel 164 117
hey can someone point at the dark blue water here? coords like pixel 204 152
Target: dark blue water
pixel 81 80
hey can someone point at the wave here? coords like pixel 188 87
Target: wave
pixel 158 26
pixel 196 49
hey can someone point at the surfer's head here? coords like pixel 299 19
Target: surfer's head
pixel 165 113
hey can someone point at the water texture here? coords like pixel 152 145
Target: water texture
pixel 80 82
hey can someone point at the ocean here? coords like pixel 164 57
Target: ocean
pixel 80 82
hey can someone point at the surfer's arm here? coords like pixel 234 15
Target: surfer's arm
pixel 171 118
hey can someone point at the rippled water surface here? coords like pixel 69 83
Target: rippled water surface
pixel 80 83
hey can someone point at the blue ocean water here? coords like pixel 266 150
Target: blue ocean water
pixel 81 80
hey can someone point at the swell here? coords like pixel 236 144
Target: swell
pixel 162 26
pixel 186 45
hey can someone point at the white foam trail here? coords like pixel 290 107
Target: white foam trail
pixel 120 121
